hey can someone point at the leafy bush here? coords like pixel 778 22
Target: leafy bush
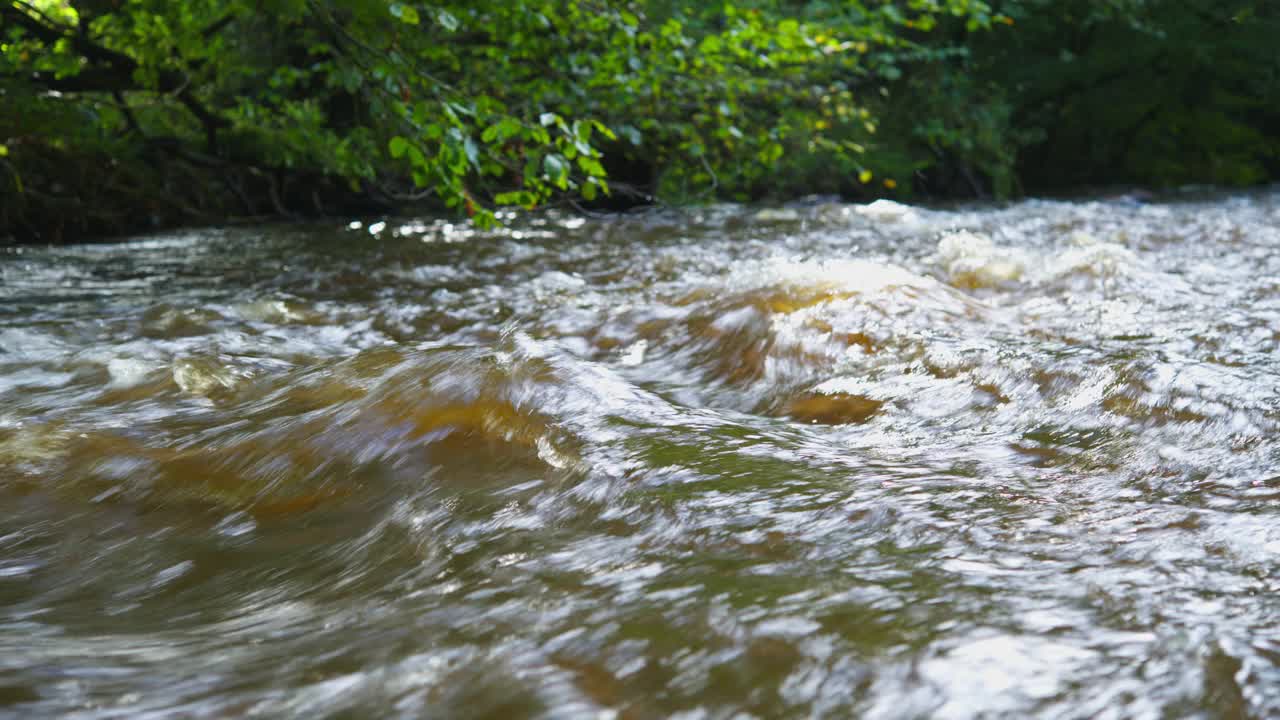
pixel 211 108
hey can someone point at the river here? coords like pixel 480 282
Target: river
pixel 828 460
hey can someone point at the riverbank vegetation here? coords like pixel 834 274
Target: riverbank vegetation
pixel 122 115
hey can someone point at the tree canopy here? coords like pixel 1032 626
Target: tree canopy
pixel 117 114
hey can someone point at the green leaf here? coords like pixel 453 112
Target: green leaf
pixel 472 151
pixel 447 20
pixel 604 130
pixel 557 169
pixel 523 198
pixel 591 166
pixel 501 131
pixel 405 13
pixel 459 108
pixel 398 146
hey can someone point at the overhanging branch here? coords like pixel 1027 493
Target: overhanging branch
pixel 110 72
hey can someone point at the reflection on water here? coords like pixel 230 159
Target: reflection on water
pixel 873 461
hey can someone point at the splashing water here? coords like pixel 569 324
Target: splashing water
pixel 876 461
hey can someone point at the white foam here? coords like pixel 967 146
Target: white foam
pixel 887 211
pixel 851 276
pixel 127 372
pixel 972 260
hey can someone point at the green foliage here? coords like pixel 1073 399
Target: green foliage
pixel 477 104
pixel 1157 92
pixel 766 96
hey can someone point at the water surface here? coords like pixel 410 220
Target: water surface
pixel 822 461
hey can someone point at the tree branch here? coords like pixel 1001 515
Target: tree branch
pixel 118 75
pixel 51 32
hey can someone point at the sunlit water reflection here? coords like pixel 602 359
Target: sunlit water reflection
pixel 833 460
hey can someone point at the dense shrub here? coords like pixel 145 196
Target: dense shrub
pixel 119 114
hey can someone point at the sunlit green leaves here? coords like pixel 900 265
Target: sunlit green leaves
pixel 502 130
pixel 405 13
pixel 557 170
pixel 482 103
pixel 522 198
pixel 446 19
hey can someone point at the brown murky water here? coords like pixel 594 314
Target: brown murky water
pixel 828 461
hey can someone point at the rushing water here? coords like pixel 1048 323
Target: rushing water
pixel 825 461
